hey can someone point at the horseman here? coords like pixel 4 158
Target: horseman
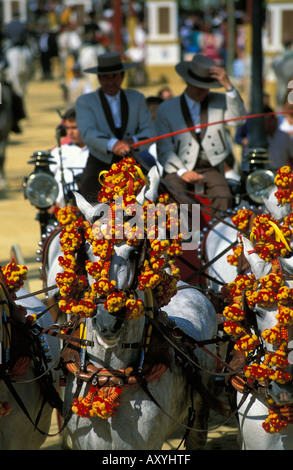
pixel 110 120
pixel 16 34
pixel 198 156
pixel 16 31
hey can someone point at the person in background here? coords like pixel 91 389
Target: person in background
pixel 196 157
pixel 48 49
pixel 286 124
pixel 280 145
pixel 73 156
pixel 110 120
pixel 75 86
pixel 165 93
pixel 16 31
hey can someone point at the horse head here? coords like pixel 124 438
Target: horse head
pixel 123 266
pixel 277 211
pixel 266 318
pixel 258 266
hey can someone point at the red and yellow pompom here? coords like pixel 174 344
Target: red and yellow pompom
pixel 15 275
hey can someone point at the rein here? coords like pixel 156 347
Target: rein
pixel 16 362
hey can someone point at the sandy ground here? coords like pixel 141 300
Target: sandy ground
pixel 21 229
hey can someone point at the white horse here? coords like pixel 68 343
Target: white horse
pixel 17 431
pixel 220 239
pixel 19 68
pixel 145 418
pixel 254 411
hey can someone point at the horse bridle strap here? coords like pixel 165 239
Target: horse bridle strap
pixel 111 377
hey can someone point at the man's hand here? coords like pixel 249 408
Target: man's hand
pixel 220 74
pixel 192 177
pixel 122 147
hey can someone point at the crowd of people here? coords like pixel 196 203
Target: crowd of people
pixel 102 126
pixel 57 28
pixel 110 120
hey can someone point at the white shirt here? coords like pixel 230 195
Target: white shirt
pixel 74 160
pixel 115 106
pixel 285 126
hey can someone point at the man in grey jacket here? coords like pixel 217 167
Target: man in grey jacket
pixel 110 120
pixel 197 156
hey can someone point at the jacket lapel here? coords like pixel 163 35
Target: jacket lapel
pixel 124 113
pixel 203 115
pixel 188 119
pixel 187 116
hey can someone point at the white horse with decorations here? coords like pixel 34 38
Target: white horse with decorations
pixel 19 68
pixel 131 384
pixel 259 319
pixel 28 376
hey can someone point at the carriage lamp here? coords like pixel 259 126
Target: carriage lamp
pixel 260 180
pixel 259 184
pixel 40 187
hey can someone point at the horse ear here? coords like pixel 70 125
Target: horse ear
pixel 150 192
pixel 154 181
pixel 90 212
pixel 286 265
pixel 258 266
pixel 277 211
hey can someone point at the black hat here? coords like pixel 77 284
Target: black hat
pixel 110 63
pixel 197 72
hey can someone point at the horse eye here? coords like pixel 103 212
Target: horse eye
pixel 134 254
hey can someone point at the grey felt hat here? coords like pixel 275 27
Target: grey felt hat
pixel 197 72
pixel 110 63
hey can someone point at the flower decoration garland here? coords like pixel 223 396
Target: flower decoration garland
pixel 266 292
pixel 241 221
pixel 271 239
pixel 284 183
pixel 14 275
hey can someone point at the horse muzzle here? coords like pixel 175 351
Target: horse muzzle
pixel 282 394
pixel 107 329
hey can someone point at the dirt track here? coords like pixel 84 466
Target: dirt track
pixel 20 227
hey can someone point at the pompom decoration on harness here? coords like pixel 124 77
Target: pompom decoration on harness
pixel 271 239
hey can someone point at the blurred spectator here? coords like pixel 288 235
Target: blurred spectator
pixel 74 156
pixel 75 86
pixel 280 146
pixel 185 34
pixel 165 93
pixel 69 43
pixel 211 43
pixel 286 124
pixel 48 49
pixel 16 31
pixel 194 45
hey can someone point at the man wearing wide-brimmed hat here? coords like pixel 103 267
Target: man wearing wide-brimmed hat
pixel 110 120
pixel 197 156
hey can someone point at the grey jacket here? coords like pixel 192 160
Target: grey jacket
pixel 95 123
pixel 182 150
